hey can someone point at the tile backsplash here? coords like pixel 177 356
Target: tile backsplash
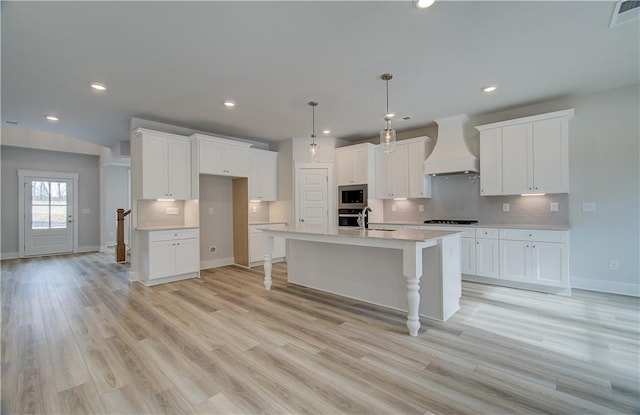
pixel 458 197
pixel 258 211
pixel 154 213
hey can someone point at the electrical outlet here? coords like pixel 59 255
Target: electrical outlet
pixel 614 265
pixel 588 206
pixel 505 207
pixel 420 208
pixel 553 206
pixel 393 208
pixel 211 211
pixel 254 209
pixel 173 211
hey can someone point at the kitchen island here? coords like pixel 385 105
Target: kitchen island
pixel 380 267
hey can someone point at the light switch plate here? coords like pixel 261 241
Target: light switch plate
pixel 393 208
pixel 254 209
pixel 588 206
pixel 553 206
pixel 420 208
pixel 211 211
pixel 85 211
pixel 505 207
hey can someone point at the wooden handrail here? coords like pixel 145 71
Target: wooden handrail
pixel 121 250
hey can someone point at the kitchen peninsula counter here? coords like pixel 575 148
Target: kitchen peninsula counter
pixel 388 268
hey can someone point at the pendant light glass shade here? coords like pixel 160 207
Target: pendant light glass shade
pixel 388 134
pixel 313 147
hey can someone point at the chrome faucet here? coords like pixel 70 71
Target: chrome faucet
pixel 363 221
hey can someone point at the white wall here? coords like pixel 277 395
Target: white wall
pixel 87 166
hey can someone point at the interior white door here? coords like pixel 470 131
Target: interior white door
pixel 49 216
pixel 313 203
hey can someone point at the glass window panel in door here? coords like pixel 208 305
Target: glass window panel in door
pixel 58 217
pixel 40 217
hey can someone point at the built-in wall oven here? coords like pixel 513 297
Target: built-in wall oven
pixel 351 200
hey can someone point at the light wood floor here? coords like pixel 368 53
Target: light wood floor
pixel 77 337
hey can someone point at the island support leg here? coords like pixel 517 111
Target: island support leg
pixel 268 252
pixel 412 270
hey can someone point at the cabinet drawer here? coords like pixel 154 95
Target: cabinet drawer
pixel 533 235
pixel 173 234
pixel 487 233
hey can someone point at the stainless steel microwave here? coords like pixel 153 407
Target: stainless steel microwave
pixel 352 196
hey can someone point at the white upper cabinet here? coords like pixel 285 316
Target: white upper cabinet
pixel 222 157
pixel 419 183
pixel 263 173
pixel 526 155
pixel 400 174
pixel 491 162
pixel 166 165
pixel 355 165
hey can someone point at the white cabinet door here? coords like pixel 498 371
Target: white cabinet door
pixel 383 171
pixel 419 183
pixel 263 173
pixel 487 258
pixel 187 256
pixel 344 167
pixel 211 155
pixel 399 174
pixel 155 170
pixel 359 165
pixel 179 169
pixel 468 255
pixel 254 176
pixel 236 161
pixel 515 260
pixel 162 259
pixel 268 176
pixel 550 156
pixel 549 263
pixel 516 165
pixel 491 162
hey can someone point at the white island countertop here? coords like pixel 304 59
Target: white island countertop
pixel 382 267
pixel 406 235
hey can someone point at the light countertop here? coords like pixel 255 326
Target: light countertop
pixel 413 235
pixel 164 228
pixel 267 223
pixel 478 225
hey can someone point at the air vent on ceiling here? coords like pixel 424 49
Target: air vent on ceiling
pixel 406 118
pixel 625 11
pixel 11 122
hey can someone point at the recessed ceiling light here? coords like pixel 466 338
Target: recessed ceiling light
pixel 423 4
pixel 326 131
pixel 229 103
pixel 490 88
pixel 52 118
pixel 98 86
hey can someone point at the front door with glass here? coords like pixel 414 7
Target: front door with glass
pixel 49 216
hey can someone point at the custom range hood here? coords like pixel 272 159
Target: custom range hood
pixel 450 154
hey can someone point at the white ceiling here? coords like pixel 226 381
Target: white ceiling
pixel 175 62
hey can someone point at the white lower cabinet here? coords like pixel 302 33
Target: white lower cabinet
pixel 537 258
pixel 534 256
pixel 487 253
pixel 257 246
pixel 167 254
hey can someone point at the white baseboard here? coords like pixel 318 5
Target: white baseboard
pixel 88 248
pixel 604 286
pixel 215 263
pixel 8 255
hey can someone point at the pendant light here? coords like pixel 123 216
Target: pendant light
pixel 313 147
pixel 388 134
